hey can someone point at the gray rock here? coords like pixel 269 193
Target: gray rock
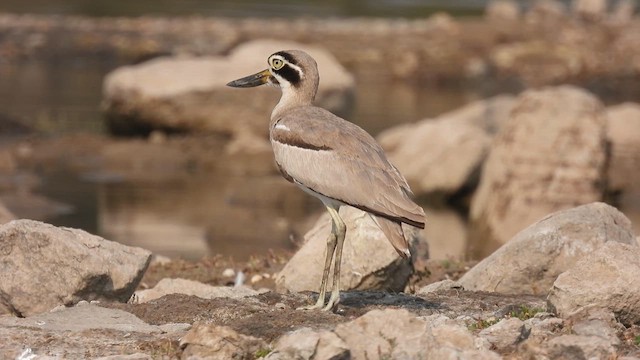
pixel 608 278
pixel 623 132
pixel 543 329
pixel 550 155
pixel 368 260
pixel 508 332
pixel 81 318
pixel 219 342
pixel 442 155
pixel 533 259
pixel 305 344
pixel 439 286
pixel 190 94
pixel 45 266
pixel 437 156
pixel 190 287
pixel 396 334
pixel 579 347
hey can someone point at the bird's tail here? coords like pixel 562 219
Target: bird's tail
pixel 393 231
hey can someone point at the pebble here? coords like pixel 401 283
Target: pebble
pixel 229 272
pixel 256 278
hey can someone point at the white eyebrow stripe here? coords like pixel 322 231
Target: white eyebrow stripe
pixel 282 127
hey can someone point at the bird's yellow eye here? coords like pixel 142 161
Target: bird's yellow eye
pixel 276 63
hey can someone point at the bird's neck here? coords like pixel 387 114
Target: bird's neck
pixel 293 98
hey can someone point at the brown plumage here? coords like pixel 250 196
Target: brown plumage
pixel 332 159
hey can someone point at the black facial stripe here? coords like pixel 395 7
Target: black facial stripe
pixel 290 74
pixel 285 55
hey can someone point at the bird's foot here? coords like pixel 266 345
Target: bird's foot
pixel 333 302
pixel 317 306
pixel 320 305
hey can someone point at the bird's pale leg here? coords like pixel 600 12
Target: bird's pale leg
pixel 331 248
pixel 340 229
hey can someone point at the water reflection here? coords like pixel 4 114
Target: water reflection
pixel 236 216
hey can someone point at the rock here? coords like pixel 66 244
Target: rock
pixel 190 94
pixel 533 259
pixel 396 334
pixel 623 133
pixel 543 329
pixel 45 266
pixel 190 287
pixel 305 344
pixel 623 12
pixel 438 286
pixel 589 9
pixel 442 155
pixel 579 347
pixel 508 332
pixel 543 11
pixel 368 259
pixel 82 318
pixel 550 155
pixel 219 342
pixel 502 10
pixel 608 278
pixel 439 157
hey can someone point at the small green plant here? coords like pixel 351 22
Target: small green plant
pixel 483 324
pixel 636 340
pixel 262 353
pixel 525 312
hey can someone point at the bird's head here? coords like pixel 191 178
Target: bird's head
pixel 290 68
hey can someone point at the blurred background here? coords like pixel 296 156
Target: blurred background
pixel 105 125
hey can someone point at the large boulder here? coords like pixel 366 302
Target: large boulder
pixel 439 157
pixel 44 266
pixel 442 156
pixel 190 94
pixel 531 261
pixel 550 155
pixel 368 259
pixel 623 133
pixel 608 278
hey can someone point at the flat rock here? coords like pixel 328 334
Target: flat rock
pixel 81 318
pixel 219 342
pixel 190 287
pixel 190 94
pixel 608 278
pixel 368 259
pixel 579 347
pixel 396 334
pixel 623 132
pixel 533 259
pixel 507 332
pixel 550 155
pixel 306 344
pixel 45 266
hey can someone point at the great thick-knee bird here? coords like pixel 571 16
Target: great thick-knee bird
pixel 333 160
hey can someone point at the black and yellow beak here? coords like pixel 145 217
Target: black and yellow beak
pixel 258 79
